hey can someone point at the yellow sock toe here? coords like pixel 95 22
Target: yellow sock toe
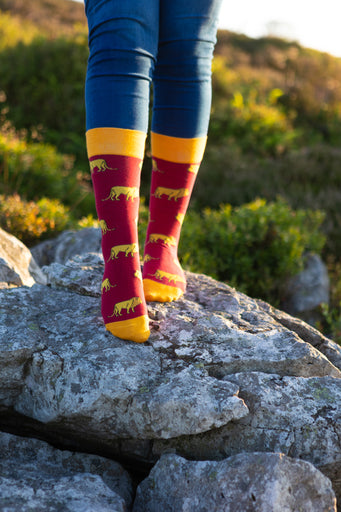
pixel 135 329
pixel 158 292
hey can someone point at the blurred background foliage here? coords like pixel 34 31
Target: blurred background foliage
pixel 255 247
pixel 275 134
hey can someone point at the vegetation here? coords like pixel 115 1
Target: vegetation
pixel 34 170
pixel 29 220
pixel 255 247
pixel 275 134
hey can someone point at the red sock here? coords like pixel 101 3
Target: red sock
pixel 116 182
pixel 175 165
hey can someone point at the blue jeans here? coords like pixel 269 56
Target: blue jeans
pixel 135 42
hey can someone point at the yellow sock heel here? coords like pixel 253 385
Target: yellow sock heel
pixel 157 292
pixel 135 329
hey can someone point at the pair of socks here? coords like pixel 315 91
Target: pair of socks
pixel 115 157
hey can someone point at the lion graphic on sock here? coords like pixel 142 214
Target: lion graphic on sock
pixel 172 193
pixel 101 165
pixel 128 305
pixel 116 192
pixel 126 248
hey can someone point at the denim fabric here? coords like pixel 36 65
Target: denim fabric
pixel 133 43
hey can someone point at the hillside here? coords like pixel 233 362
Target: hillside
pixel 274 102
pixel 50 16
pixel 271 99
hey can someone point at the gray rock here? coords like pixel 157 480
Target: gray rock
pixel 78 493
pixel 17 266
pixel 82 274
pixel 75 369
pixel 306 291
pixel 263 482
pixel 35 476
pixel 211 314
pixel 297 416
pixel 72 381
pixel 256 317
pixel 305 331
pixel 67 245
pixel 8 276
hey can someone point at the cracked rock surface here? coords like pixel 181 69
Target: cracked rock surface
pixel 78 377
pixel 299 417
pixel 221 373
pixel 35 476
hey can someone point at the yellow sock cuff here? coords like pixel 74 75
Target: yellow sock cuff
pixel 134 329
pixel 158 292
pixel 178 150
pixel 115 141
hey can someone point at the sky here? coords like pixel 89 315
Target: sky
pixel 312 24
pixel 315 24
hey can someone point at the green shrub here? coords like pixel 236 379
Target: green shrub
pixel 330 323
pixel 255 125
pixel 44 86
pixel 255 247
pixel 31 169
pixel 309 178
pixel 30 221
pixel 13 30
pixel 35 170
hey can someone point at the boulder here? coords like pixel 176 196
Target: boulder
pixel 82 274
pixel 306 291
pixel 77 376
pixel 264 482
pixel 17 265
pixel 215 361
pixel 297 416
pixel 67 245
pixel 35 476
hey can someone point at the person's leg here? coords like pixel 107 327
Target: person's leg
pixel 181 110
pixel 123 42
